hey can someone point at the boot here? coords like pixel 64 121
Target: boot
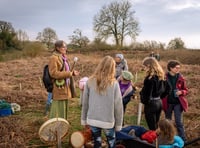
pixel 47 109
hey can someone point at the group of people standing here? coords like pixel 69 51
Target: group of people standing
pixel 171 98
pixel 109 89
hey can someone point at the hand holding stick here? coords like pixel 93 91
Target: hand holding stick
pixel 75 73
pixel 75 60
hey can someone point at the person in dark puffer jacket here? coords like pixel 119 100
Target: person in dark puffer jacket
pixel 151 91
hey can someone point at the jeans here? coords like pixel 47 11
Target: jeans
pixel 178 118
pixel 48 103
pixel 49 98
pixel 110 136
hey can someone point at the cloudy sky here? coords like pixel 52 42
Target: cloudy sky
pixel 159 20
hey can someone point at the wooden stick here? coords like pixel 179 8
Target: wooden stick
pixel 40 80
pixel 58 138
pixel 139 113
pixel 20 86
pixel 75 60
pixel 139 105
pixel 136 76
pixel 156 142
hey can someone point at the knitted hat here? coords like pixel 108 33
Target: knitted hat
pixel 82 82
pixel 127 75
pixel 119 56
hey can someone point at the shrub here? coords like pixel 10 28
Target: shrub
pixel 33 49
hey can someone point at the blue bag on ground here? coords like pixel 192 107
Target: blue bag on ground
pixel 5 108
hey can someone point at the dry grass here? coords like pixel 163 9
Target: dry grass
pixel 21 83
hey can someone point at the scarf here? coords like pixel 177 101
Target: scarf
pixel 66 68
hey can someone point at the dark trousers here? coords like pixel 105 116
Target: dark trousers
pixel 152 113
pixel 178 118
pixel 125 102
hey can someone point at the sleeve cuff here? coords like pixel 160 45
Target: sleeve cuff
pixel 118 128
pixel 83 122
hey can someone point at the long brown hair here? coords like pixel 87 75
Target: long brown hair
pixel 154 67
pixel 167 129
pixel 104 74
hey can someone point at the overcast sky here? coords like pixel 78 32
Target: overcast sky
pixel 159 20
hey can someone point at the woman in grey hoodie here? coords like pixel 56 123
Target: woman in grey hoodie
pixel 102 107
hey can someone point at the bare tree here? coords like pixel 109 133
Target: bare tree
pixel 78 39
pixel 153 45
pixel 22 35
pixel 116 20
pixel 47 36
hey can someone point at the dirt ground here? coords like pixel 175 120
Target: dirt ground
pixel 20 82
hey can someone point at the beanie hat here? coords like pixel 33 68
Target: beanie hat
pixel 119 56
pixel 82 82
pixel 127 75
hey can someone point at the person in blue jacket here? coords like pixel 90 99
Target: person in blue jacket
pixel 167 135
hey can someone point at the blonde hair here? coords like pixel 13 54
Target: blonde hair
pixel 154 67
pixel 104 74
pixel 167 129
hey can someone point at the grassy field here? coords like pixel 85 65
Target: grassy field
pixel 20 81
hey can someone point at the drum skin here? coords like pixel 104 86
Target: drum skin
pixel 52 129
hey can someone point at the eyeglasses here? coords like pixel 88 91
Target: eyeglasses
pixel 177 67
pixel 64 47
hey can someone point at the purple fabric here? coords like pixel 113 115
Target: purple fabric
pixel 67 68
pixel 124 87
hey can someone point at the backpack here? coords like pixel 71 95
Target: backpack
pixel 47 80
pixel 143 99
